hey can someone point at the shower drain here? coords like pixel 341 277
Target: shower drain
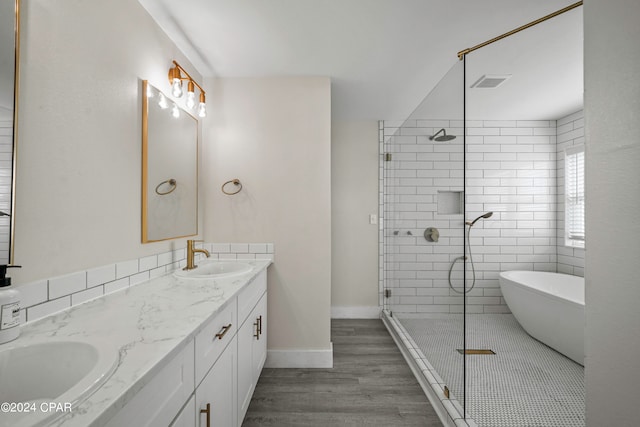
pixel 475 351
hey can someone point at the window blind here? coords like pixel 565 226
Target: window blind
pixel 574 196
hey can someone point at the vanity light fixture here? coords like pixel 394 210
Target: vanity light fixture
pixel 176 78
pixel 162 101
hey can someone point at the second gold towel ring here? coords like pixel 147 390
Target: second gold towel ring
pixel 172 182
pixel 235 182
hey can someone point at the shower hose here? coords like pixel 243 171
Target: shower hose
pixel 473 271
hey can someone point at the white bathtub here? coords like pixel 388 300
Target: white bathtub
pixel 550 307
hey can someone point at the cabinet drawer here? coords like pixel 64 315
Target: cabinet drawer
pixel 213 339
pixel 249 296
pixel 160 400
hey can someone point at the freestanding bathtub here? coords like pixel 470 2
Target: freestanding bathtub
pixel 550 307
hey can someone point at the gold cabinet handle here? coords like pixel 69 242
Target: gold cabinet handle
pixel 257 325
pixel 208 412
pixel 223 332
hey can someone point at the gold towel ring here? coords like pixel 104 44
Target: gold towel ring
pixel 234 182
pixel 172 182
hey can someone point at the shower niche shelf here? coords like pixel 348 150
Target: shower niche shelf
pixel 450 202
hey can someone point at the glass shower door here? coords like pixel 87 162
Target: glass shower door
pixel 423 208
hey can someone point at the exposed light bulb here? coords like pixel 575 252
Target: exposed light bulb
pixel 191 96
pixel 175 111
pixel 176 88
pixel 202 110
pixel 149 91
pixel 191 100
pixel 162 101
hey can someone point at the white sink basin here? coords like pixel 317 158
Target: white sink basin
pixel 214 269
pixel 61 371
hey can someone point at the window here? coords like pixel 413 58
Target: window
pixel 574 196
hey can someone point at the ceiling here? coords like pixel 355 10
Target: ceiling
pixel 385 56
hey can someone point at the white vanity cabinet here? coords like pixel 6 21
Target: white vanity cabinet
pixel 230 370
pixel 210 381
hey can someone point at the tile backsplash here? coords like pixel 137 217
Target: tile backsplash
pixel 44 297
pixel 6 156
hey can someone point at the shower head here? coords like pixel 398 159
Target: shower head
pixel 485 216
pixel 442 138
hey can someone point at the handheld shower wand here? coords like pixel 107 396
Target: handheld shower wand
pixel 485 216
pixel 473 271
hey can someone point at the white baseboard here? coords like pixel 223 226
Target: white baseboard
pixel 355 312
pixel 300 358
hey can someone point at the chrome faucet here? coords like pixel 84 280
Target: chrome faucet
pixel 191 252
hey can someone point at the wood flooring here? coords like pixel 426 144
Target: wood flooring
pixel 369 385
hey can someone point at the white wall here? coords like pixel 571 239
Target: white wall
pixel 612 91
pixel 78 196
pixel 354 242
pixel 78 201
pixel 274 135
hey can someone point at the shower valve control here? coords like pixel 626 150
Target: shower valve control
pixel 431 234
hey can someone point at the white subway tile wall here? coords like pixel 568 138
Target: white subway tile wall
pixel 512 169
pixel 45 297
pixel 6 158
pixel 68 284
pixel 570 133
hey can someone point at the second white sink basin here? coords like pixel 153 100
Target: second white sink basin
pixel 215 269
pixel 64 372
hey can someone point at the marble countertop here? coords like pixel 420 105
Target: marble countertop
pixel 148 323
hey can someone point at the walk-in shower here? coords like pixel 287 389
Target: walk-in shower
pixel 494 192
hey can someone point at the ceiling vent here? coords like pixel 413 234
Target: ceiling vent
pixel 490 81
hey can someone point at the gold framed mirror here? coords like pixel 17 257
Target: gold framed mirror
pixel 9 65
pixel 169 168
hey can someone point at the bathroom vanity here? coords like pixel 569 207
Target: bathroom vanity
pixel 190 350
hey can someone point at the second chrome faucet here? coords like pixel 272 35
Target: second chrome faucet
pixel 191 253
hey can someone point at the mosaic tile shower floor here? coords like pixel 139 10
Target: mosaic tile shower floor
pixel 525 384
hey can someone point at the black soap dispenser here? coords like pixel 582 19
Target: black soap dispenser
pixel 9 307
